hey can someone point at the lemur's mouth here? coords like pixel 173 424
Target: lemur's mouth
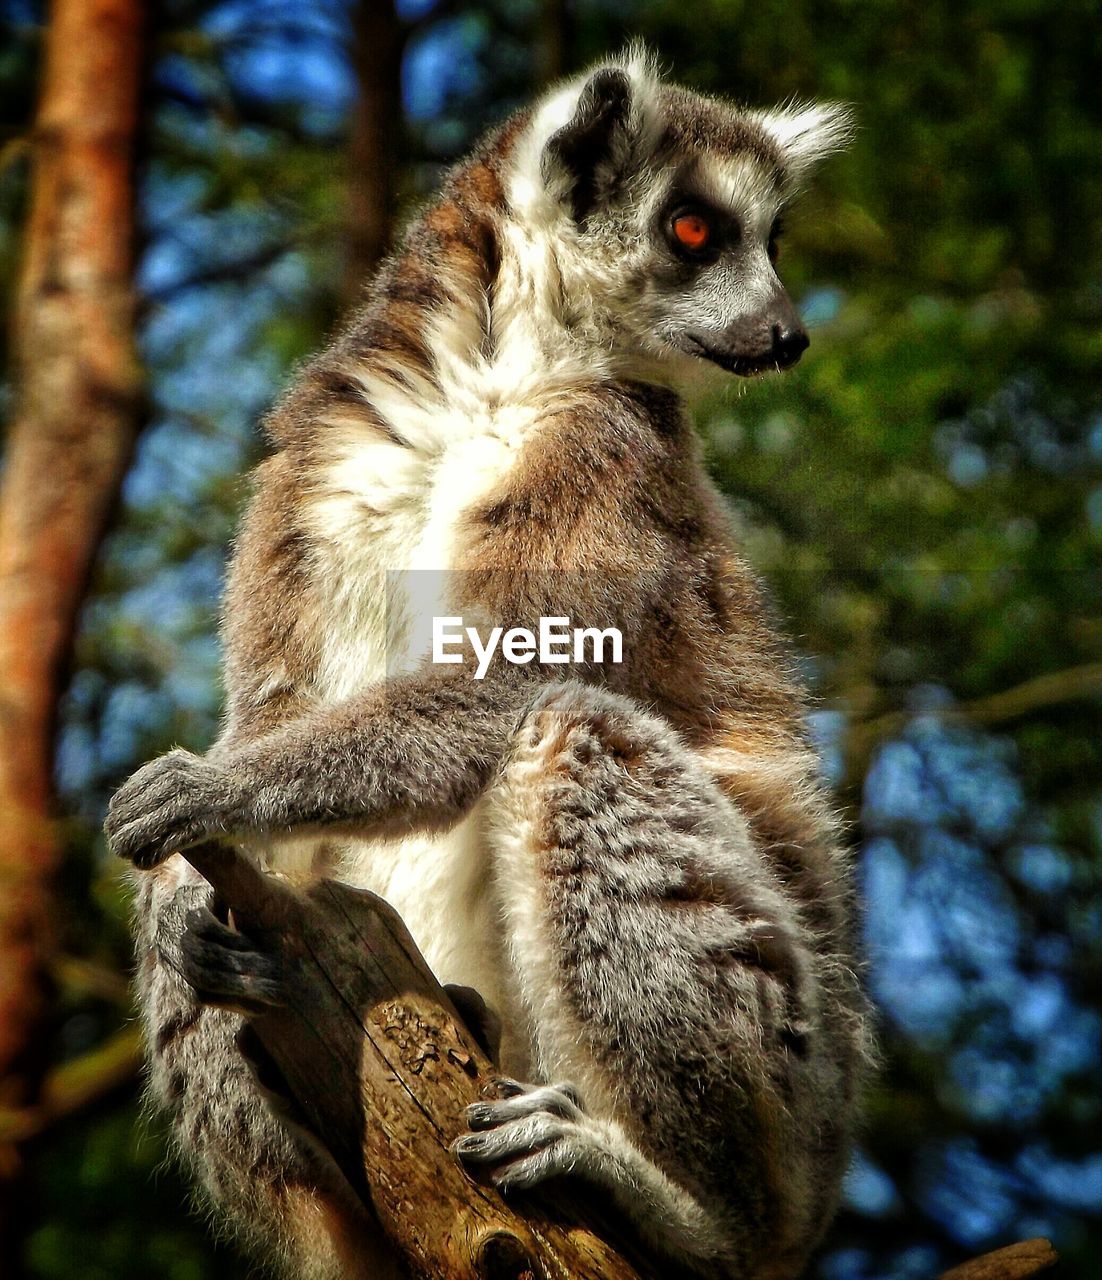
pixel 743 366
pixel 782 355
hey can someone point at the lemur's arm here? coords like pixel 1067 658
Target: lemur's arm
pixel 414 751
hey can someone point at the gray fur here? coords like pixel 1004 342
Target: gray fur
pixel 323 772
pixel 693 994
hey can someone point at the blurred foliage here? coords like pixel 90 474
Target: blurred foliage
pixel 924 492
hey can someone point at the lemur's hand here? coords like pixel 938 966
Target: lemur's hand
pixel 170 804
pixel 534 1132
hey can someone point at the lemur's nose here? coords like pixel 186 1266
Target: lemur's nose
pixel 789 343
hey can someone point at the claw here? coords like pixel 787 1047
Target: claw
pixel 517 1100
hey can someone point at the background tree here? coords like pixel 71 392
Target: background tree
pixel 923 492
pixel 375 142
pixel 75 412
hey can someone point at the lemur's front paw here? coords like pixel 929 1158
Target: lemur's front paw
pixel 226 967
pixel 170 804
pixel 536 1132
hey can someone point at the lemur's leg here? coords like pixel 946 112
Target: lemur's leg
pixel 277 1189
pixel 664 969
pixel 665 974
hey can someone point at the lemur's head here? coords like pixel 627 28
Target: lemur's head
pixel 660 209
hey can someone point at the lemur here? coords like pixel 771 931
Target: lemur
pixel 636 866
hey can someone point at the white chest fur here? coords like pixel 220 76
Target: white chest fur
pixel 387 520
pixel 393 515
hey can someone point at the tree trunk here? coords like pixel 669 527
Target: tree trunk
pixel 374 148
pixel 77 392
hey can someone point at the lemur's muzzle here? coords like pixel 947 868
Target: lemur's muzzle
pixel 789 343
pixel 772 338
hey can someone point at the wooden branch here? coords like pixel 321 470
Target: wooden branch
pixel 1048 690
pixel 1016 1262
pixel 76 1085
pixel 379 1062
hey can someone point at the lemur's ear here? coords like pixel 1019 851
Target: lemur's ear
pixel 583 158
pixel 806 133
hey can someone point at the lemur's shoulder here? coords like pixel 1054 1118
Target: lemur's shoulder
pixel 446 258
pixel 609 467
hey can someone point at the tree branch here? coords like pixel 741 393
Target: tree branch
pixel 1043 691
pixel 230 272
pixel 79 976
pixel 1016 1262
pixel 76 1085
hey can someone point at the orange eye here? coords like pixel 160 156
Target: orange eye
pixel 692 231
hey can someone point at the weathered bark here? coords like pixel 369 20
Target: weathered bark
pixel 76 393
pixel 374 147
